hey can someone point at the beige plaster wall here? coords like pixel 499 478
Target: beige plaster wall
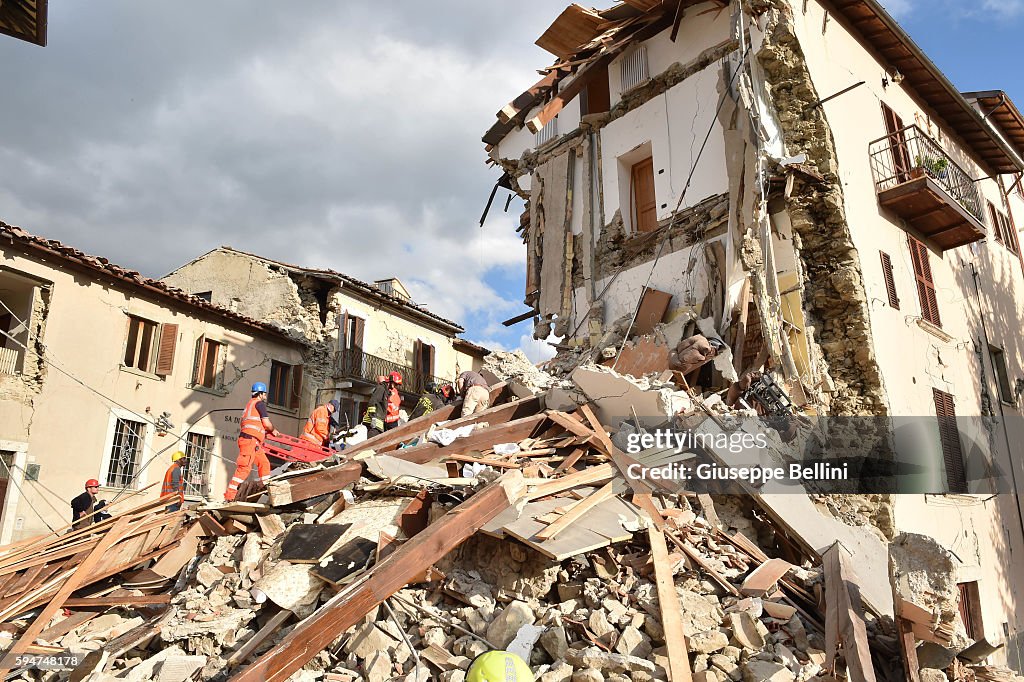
pixel 70 426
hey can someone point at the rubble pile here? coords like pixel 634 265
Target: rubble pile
pixel 522 532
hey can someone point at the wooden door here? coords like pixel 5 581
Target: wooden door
pixel 645 207
pixel 897 144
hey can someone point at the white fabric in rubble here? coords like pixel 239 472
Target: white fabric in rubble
pixel 448 436
pixel 506 448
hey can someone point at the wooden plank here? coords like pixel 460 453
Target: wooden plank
pixel 124 600
pixel 575 87
pixel 211 525
pixel 577 511
pixel 571 459
pixel 270 525
pixel 671 615
pixel 345 609
pixel 496 463
pixel 329 480
pixel 171 563
pixel 602 436
pixel 844 617
pixel 269 628
pixel 762 578
pixel 55 632
pixel 911 611
pixel 481 439
pixel 908 649
pixel 82 573
pixel 589 476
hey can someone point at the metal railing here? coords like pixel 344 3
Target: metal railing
pixel 355 363
pixel 908 154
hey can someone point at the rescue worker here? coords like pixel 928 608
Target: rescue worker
pixel 84 506
pixel 254 429
pixel 394 406
pixel 318 426
pixel 174 480
pixel 473 389
pixel 694 352
pixel 382 411
pixel 431 400
pixel 498 666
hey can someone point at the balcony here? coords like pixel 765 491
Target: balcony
pixel 360 366
pixel 919 182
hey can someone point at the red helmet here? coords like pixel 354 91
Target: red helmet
pixel 92 483
pixel 395 378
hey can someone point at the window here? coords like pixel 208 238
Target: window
pixel 352 332
pixel 970 610
pixel 205 295
pixel 208 370
pixel 285 386
pixel 1002 376
pixel 890 281
pixel 596 98
pixel 547 133
pixel 150 347
pixel 949 436
pixel 1002 229
pixel 198 448
pixel 925 283
pixel 423 364
pixel 643 206
pixel 634 69
pixel 126 454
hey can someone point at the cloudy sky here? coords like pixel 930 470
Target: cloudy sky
pixel 345 134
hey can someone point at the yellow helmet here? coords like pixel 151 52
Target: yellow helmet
pixel 499 666
pixel 177 455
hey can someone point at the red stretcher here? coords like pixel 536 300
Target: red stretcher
pixel 291 449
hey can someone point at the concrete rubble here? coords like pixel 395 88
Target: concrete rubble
pixel 579 605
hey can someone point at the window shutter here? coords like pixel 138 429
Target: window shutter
pixel 925 283
pixel 343 337
pixel 997 228
pixel 890 281
pixel 296 395
pixel 949 436
pixel 165 351
pixel 200 362
pixel 417 356
pixel 359 324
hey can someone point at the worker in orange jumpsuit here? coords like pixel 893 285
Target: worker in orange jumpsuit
pixel 382 411
pixel 254 429
pixel 318 426
pixel 174 480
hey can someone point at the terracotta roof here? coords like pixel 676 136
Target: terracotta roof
pixel 867 17
pixel 103 267
pixel 471 347
pixel 364 287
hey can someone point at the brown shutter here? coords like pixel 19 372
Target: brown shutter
pixel 890 281
pixel 296 396
pixel 949 436
pixel 200 362
pixel 165 352
pixel 997 228
pixel 925 283
pixel 359 324
pixel 429 369
pixel 645 207
pixel 417 356
pixel 343 337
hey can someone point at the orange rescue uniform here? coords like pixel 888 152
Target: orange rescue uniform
pixel 318 426
pixel 250 450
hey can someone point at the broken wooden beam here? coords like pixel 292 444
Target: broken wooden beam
pixel 345 609
pixel 671 615
pixel 481 439
pixel 329 480
pixel 844 617
pixel 577 511
pixel 123 600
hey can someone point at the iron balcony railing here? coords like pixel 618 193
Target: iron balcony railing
pixel 354 363
pixel 908 154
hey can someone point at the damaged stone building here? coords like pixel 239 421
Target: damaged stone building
pixel 797 178
pixel 100 369
pixel 357 331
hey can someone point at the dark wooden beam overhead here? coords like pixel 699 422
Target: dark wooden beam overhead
pixel 24 19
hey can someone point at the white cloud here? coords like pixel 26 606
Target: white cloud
pixel 1005 8
pixel 537 351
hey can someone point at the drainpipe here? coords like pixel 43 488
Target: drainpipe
pixel 1002 415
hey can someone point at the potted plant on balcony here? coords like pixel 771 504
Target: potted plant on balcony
pixel 934 166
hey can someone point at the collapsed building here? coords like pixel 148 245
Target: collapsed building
pixel 798 179
pixel 517 528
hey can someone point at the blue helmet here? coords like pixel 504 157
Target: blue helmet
pixel 259 387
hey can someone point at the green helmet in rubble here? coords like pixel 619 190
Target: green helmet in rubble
pixel 499 666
